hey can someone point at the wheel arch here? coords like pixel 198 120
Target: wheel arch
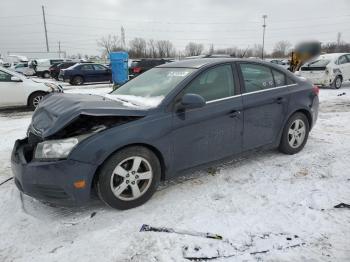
pixel 35 92
pixel 306 113
pixel 300 110
pixel 152 148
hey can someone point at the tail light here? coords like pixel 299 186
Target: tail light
pixel 137 70
pixel 316 90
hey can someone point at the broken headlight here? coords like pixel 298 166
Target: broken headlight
pixel 54 149
pixel 57 149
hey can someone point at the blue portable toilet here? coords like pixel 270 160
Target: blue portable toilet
pixel 119 66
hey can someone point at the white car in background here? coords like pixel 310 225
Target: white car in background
pixel 23 69
pixel 327 70
pixel 18 90
pixel 281 62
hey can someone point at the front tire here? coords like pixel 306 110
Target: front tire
pixel 337 83
pixel 295 134
pixel 77 81
pixel 129 178
pixel 46 74
pixel 35 99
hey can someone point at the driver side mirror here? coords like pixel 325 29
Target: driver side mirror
pixel 15 79
pixel 191 101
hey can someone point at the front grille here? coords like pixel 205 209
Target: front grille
pixel 52 192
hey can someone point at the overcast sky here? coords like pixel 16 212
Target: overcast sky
pixel 224 23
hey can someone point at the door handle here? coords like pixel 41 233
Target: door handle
pixel 234 113
pixel 280 100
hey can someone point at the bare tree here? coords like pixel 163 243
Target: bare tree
pixel 165 48
pixel 193 49
pixel 109 44
pixel 152 48
pixel 138 48
pixel 281 48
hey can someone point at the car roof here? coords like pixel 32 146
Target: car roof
pixel 198 63
pixel 330 56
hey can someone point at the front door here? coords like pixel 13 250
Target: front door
pixel 214 131
pixel 265 103
pixel 12 93
pixel 102 73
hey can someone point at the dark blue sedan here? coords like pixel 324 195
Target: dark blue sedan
pixel 85 73
pixel 172 118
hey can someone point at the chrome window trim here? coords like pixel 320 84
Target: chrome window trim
pixel 221 99
pixel 254 92
pixel 268 89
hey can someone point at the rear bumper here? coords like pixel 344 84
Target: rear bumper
pixel 51 181
pixel 321 80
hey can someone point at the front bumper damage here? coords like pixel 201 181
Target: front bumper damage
pixel 51 181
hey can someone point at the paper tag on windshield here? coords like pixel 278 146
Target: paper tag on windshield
pixel 178 73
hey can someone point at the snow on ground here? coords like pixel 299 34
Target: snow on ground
pixel 268 206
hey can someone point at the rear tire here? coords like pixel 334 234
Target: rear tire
pixel 337 83
pixel 77 81
pixel 35 99
pixel 129 177
pixel 295 134
pixel 46 74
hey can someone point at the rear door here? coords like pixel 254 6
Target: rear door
pixel 214 131
pixel 265 103
pixel 344 66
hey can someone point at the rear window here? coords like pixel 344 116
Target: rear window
pixel 318 63
pixel 134 63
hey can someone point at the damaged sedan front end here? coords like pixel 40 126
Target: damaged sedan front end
pixel 41 162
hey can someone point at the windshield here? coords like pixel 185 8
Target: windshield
pixel 321 62
pixel 150 88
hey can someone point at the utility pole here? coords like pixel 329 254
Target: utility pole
pixel 47 41
pixel 263 43
pixel 122 34
pixel 59 49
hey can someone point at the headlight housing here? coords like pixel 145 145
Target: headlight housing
pixel 54 88
pixel 57 149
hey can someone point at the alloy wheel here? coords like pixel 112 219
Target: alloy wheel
pixel 296 133
pixel 37 100
pixel 338 82
pixel 131 178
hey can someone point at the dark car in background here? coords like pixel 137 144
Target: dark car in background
pixel 138 67
pixel 175 117
pixel 85 73
pixel 56 68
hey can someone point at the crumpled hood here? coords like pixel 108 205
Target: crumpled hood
pixel 58 110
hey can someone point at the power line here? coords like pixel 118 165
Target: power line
pixel 188 22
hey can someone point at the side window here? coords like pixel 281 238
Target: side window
pixel 342 60
pixel 213 84
pixel 280 78
pixel 86 67
pixel 290 81
pixel 5 77
pixel 256 77
pixel 99 67
pixel 348 57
